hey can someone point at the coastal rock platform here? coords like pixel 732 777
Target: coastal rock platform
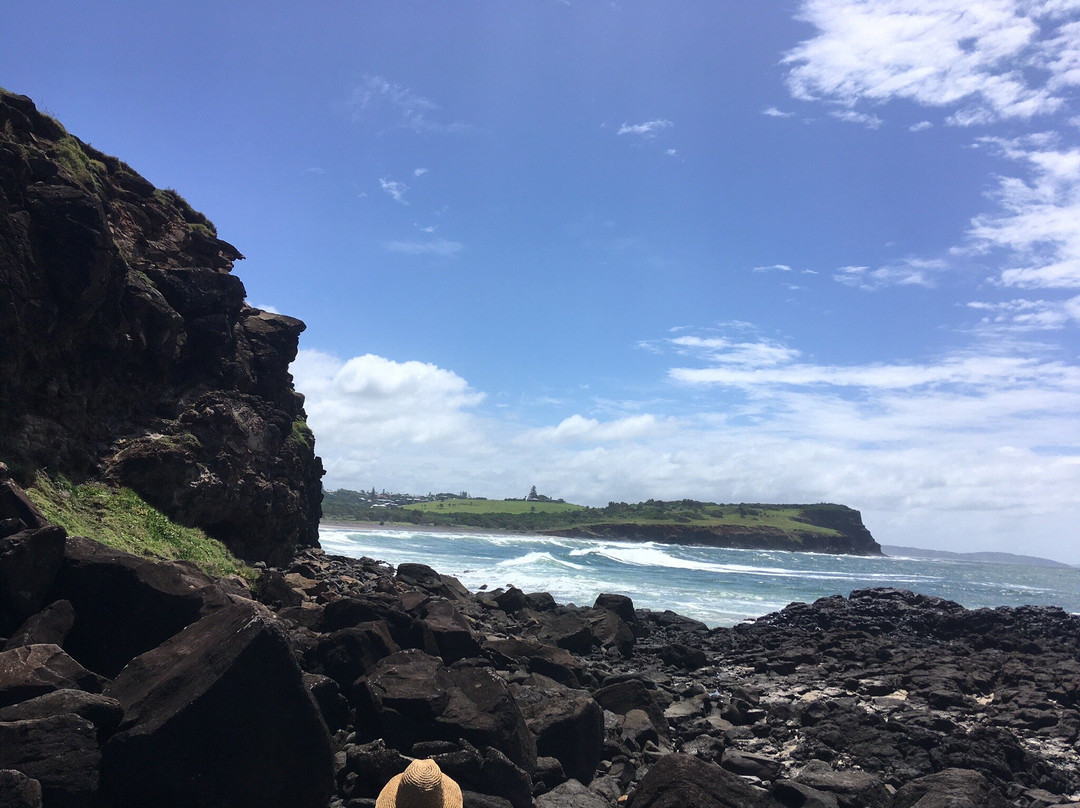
pixel 322 683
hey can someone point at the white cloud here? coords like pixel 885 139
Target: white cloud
pixel 649 129
pixel 992 60
pixel 861 118
pixel 579 429
pixel 773 267
pixel 921 126
pixel 1022 315
pixel 725 352
pixel 394 189
pixel 908 272
pixel 672 152
pixel 419 172
pixel 773 112
pixel 380 98
pixel 439 246
pixel 370 410
pixel 979 438
pixel 1036 224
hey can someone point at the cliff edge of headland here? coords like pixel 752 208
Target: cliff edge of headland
pixel 130 355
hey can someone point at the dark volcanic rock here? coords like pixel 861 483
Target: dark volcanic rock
pixel 622 697
pixel 571 794
pixel 491 773
pixel 218 715
pixel 546 660
pixel 348 654
pixel 50 625
pixel 19 791
pixel 126 604
pixel 60 752
pixel 101 711
pixel 682 781
pixel 129 352
pixel 568 724
pixel 952 788
pixel 29 562
pixel 411 697
pixel 33 670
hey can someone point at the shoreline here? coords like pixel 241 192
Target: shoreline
pixel 373 527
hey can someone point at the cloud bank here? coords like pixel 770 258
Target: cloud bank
pixel 972 449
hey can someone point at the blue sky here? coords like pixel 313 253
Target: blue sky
pixel 815 250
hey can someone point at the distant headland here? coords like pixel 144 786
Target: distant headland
pixel 819 528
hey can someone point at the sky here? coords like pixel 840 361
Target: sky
pixel 795 251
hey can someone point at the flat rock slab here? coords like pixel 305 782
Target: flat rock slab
pixel 682 781
pixel 19 791
pixel 101 711
pixel 29 562
pixel 125 604
pixel 951 788
pixel 571 794
pixel 60 752
pixel 219 715
pixel 412 697
pixel 568 724
pixel 33 670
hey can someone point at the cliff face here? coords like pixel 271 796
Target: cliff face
pixel 127 351
pixel 851 536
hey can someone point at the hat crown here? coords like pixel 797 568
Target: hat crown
pixel 421 786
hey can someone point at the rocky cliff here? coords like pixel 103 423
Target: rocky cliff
pixel 128 352
pixel 844 533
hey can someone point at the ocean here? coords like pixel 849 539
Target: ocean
pixel 717 586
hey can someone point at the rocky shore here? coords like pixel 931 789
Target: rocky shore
pixel 131 357
pixel 126 681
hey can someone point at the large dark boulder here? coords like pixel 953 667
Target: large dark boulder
pixel 127 604
pixel 447 633
pixel 412 697
pixel 546 660
pixel 349 653
pixel 19 791
pixel 569 630
pixel 571 794
pixel 951 788
pixel 218 715
pixel 852 787
pixel 631 694
pixel 101 711
pixel 489 773
pixel 568 724
pixel 611 632
pixel 29 562
pixel 33 670
pixel 60 752
pixel 682 781
pixel 51 625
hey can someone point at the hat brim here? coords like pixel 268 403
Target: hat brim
pixel 388 796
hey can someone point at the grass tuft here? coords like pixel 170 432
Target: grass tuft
pixel 120 518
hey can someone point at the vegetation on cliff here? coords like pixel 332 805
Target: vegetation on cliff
pixel 121 519
pixel 822 527
pixel 131 358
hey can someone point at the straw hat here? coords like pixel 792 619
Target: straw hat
pixel 422 785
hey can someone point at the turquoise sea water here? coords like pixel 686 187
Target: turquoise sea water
pixel 719 587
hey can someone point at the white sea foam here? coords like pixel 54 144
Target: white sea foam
pixel 718 586
pixel 538 557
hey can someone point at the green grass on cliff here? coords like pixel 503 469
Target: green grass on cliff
pixel 120 518
pixel 791 520
pixel 457 506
